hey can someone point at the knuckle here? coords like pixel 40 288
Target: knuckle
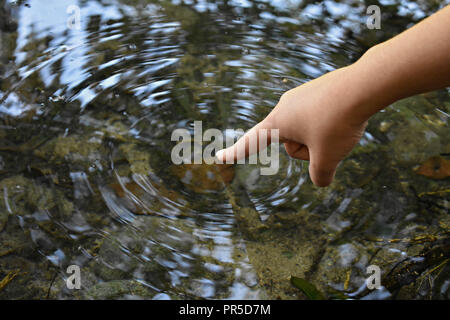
pixel 285 96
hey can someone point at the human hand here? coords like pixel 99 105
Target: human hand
pixel 315 123
pixel 322 120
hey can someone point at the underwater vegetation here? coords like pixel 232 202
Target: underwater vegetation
pixel 86 178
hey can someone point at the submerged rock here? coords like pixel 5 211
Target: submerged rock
pixel 22 196
pixel 84 151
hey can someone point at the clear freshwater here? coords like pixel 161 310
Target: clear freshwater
pixel 86 178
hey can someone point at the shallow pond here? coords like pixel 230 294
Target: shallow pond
pixel 87 109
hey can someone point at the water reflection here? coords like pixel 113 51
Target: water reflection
pixel 86 119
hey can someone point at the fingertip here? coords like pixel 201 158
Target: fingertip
pixel 321 177
pixel 220 154
pixel 322 182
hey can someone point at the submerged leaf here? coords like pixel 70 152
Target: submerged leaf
pixel 202 178
pixel 307 288
pixel 335 294
pixel 435 168
pixel 8 278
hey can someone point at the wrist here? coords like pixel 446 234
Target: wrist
pixel 353 93
pixel 371 90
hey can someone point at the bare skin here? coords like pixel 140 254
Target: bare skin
pixel 322 120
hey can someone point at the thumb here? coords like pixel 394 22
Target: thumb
pixel 248 144
pixel 321 169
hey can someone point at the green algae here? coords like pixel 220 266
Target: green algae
pixel 138 160
pixel 117 289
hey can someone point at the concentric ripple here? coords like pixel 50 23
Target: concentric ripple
pixel 86 121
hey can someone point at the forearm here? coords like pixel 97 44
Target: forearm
pixel 415 61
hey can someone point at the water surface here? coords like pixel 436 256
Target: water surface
pixel 86 116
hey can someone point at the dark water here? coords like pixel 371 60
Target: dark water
pixel 86 116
